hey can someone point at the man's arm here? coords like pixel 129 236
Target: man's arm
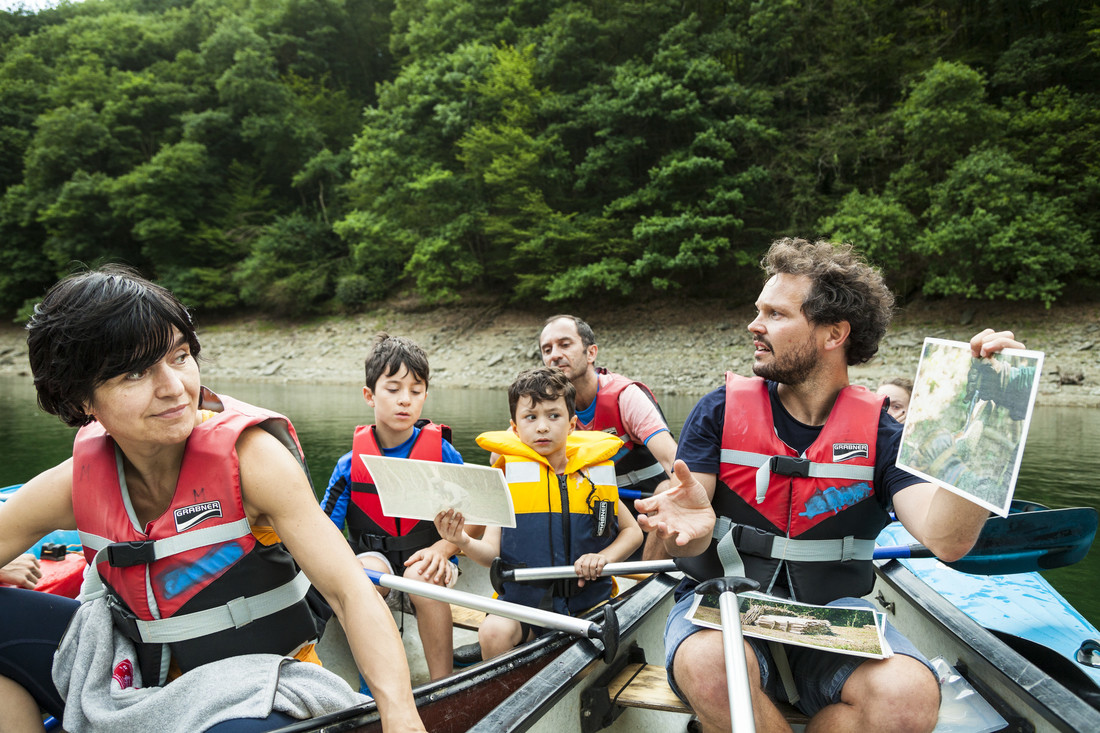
pixel 944 522
pixel 645 424
pixel 276 492
pixel 663 447
pixel 941 520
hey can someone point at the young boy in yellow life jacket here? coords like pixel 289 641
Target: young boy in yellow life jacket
pixel 566 502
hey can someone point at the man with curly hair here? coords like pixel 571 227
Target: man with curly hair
pixel 787 478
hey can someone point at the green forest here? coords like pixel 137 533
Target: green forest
pixel 317 156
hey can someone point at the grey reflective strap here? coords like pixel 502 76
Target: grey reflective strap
pixel 197 538
pixel 847 548
pixel 762 463
pixel 634 477
pixel 841 470
pixel 783 665
pixel 233 615
pixel 178 543
pixel 759 461
pixel 732 564
pixel 744 458
pixel 92 587
pixel 93 541
pixel 785 548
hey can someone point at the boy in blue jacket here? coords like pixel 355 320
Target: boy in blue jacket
pixel 397 387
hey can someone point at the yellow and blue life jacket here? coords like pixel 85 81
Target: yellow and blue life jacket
pixel 559 517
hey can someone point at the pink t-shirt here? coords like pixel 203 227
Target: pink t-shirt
pixel 640 416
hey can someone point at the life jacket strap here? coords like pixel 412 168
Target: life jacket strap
pixel 766 465
pixel 735 538
pixel 783 665
pixel 233 615
pixel 388 543
pixel 127 554
pixel 636 477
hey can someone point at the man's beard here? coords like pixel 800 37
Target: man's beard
pixel 794 368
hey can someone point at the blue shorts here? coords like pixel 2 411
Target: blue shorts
pixel 819 675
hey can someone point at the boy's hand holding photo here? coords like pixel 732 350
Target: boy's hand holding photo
pixel 452 527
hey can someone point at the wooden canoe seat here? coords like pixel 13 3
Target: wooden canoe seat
pixel 646 686
pixel 466 618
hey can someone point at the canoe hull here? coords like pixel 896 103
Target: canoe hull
pixel 1016 687
pixel 468 698
pixel 1027 697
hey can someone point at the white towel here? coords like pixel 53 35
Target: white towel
pixel 94 661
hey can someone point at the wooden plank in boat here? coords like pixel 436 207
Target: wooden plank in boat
pixel 467 618
pixel 646 686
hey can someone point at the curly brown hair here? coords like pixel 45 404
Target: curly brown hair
pixel 844 288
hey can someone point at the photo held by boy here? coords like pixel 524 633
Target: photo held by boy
pixel 566 503
pixel 396 388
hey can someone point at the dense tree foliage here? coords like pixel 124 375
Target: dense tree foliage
pixel 310 155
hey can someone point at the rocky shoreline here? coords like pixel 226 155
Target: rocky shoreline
pixel 674 347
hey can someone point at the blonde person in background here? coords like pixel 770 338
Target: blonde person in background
pixel 899 390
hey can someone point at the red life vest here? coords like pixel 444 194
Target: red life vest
pixel 369 529
pixel 825 494
pixel 217 560
pixel 636 468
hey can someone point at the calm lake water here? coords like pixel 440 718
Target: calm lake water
pixel 1060 467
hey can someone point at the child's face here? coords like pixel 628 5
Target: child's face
pixel 398 400
pixel 543 426
pixel 899 401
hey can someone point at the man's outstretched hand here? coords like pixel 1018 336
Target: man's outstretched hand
pixel 682 516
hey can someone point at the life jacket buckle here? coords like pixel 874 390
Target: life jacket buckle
pixel 753 541
pixel 128 554
pixel 790 466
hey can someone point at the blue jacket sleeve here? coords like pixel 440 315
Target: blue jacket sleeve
pixel 451 454
pixel 335 501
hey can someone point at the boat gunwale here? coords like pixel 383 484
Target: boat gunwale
pixel 549 649
pixel 992 657
pixel 524 707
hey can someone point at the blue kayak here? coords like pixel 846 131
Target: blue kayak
pixel 1024 610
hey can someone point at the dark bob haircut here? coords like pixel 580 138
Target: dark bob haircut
pixel 93 326
pixel 542 384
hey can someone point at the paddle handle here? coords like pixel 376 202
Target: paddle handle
pixel 902 552
pixel 526 614
pixel 528 575
pixel 737 670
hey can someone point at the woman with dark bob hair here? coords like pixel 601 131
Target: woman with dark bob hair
pixel 202 536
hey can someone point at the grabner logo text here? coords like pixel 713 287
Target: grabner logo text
pixel 188 516
pixel 848 451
